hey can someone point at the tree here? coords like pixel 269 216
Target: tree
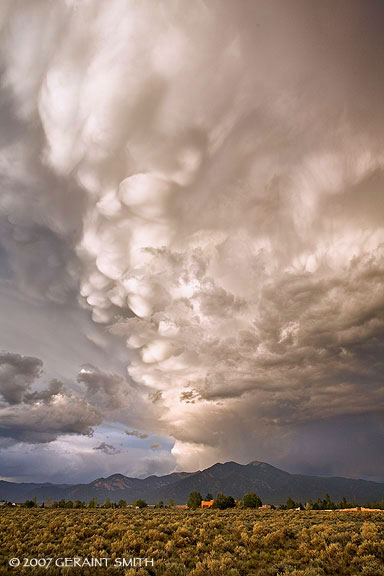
pixel 159 504
pixel 222 502
pixel 78 504
pixel 291 504
pixel 122 503
pixel 171 502
pixel 328 504
pixel 107 503
pixel 209 496
pixel 251 500
pixel 69 504
pixel 29 504
pixel 194 500
pixel 92 503
pixel 141 503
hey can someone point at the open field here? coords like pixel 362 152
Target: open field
pixel 200 543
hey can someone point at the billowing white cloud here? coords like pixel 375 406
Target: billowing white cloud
pixel 207 179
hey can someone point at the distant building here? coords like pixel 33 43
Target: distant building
pixel 207 503
pixel 265 507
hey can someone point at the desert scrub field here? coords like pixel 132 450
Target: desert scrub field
pixel 201 543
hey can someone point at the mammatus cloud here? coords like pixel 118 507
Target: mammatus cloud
pixel 209 178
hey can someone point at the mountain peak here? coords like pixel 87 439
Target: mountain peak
pixel 117 476
pixel 273 486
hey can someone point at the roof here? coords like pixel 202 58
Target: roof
pixel 207 503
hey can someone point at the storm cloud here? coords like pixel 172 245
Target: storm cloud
pixel 206 180
pixel 108 449
pixel 17 374
pixel 40 415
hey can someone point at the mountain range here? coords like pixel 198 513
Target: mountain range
pixel 273 486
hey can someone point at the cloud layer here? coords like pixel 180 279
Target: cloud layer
pixel 207 180
pixel 39 415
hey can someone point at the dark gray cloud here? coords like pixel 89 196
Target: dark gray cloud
pixel 55 387
pixel 136 434
pixel 17 374
pixel 45 423
pixel 119 399
pixel 108 449
pixel 40 415
pixel 107 390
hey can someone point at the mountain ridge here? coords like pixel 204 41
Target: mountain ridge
pixel 273 485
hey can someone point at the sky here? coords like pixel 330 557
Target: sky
pixel 191 237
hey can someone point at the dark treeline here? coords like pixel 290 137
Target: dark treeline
pixel 222 502
pixel 328 504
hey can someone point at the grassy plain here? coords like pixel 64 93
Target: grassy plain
pixel 200 543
